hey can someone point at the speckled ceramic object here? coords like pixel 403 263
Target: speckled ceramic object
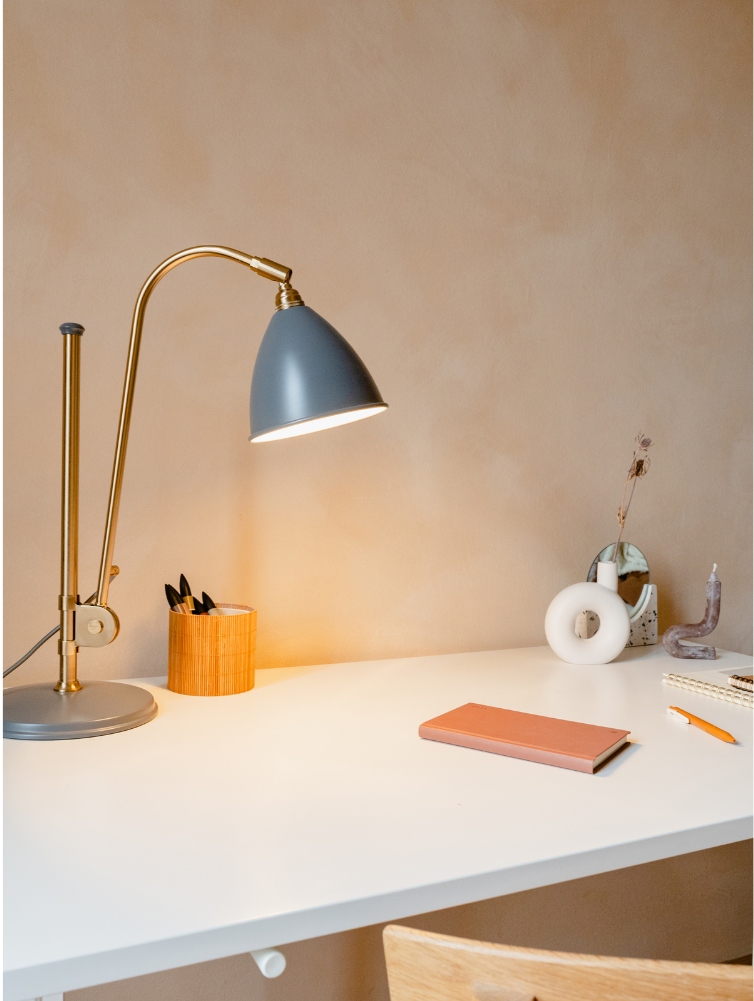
pixel 644 619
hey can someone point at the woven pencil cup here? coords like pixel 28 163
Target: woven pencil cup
pixel 212 654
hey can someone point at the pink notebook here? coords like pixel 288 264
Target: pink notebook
pixel 560 742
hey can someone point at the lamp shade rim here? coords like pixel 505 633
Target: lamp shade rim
pixel 377 406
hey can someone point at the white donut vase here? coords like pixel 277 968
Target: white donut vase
pixel 607 642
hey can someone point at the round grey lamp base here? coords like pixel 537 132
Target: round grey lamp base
pixel 38 712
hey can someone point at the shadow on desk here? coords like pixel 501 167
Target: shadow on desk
pixel 694 907
pixel 609 765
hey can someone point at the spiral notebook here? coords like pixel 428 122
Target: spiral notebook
pixel 560 742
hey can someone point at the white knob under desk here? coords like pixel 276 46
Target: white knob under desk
pixel 310 805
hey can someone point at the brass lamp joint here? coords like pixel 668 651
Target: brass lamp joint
pixel 96 625
pixel 287 297
pixel 270 269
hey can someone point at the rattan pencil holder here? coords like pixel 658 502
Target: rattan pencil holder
pixel 212 654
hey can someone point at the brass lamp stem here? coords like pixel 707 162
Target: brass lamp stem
pixel 69 509
pixel 268 269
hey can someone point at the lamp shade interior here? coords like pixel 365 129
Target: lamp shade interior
pixel 307 377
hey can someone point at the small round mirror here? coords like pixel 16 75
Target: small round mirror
pixel 633 571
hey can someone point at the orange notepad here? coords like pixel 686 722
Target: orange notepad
pixel 560 742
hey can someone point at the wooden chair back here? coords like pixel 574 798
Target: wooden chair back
pixel 422 966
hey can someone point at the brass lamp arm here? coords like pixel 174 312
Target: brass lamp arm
pixel 262 266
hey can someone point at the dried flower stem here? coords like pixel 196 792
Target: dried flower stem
pixel 639 467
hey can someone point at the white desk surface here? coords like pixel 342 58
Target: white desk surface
pixel 310 805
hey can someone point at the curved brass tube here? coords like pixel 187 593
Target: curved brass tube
pixel 268 269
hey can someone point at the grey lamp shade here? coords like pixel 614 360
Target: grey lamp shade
pixel 307 377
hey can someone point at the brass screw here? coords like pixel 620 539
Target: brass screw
pixel 95 626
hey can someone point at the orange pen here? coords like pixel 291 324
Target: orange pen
pixel 702 724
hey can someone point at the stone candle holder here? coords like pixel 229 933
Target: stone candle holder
pixel 694 630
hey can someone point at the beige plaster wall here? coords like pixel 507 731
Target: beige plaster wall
pixel 530 218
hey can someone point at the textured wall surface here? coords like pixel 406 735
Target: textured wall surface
pixel 531 219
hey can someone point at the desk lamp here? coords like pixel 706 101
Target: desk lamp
pixel 306 378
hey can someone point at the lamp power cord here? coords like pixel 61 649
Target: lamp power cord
pixel 39 643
